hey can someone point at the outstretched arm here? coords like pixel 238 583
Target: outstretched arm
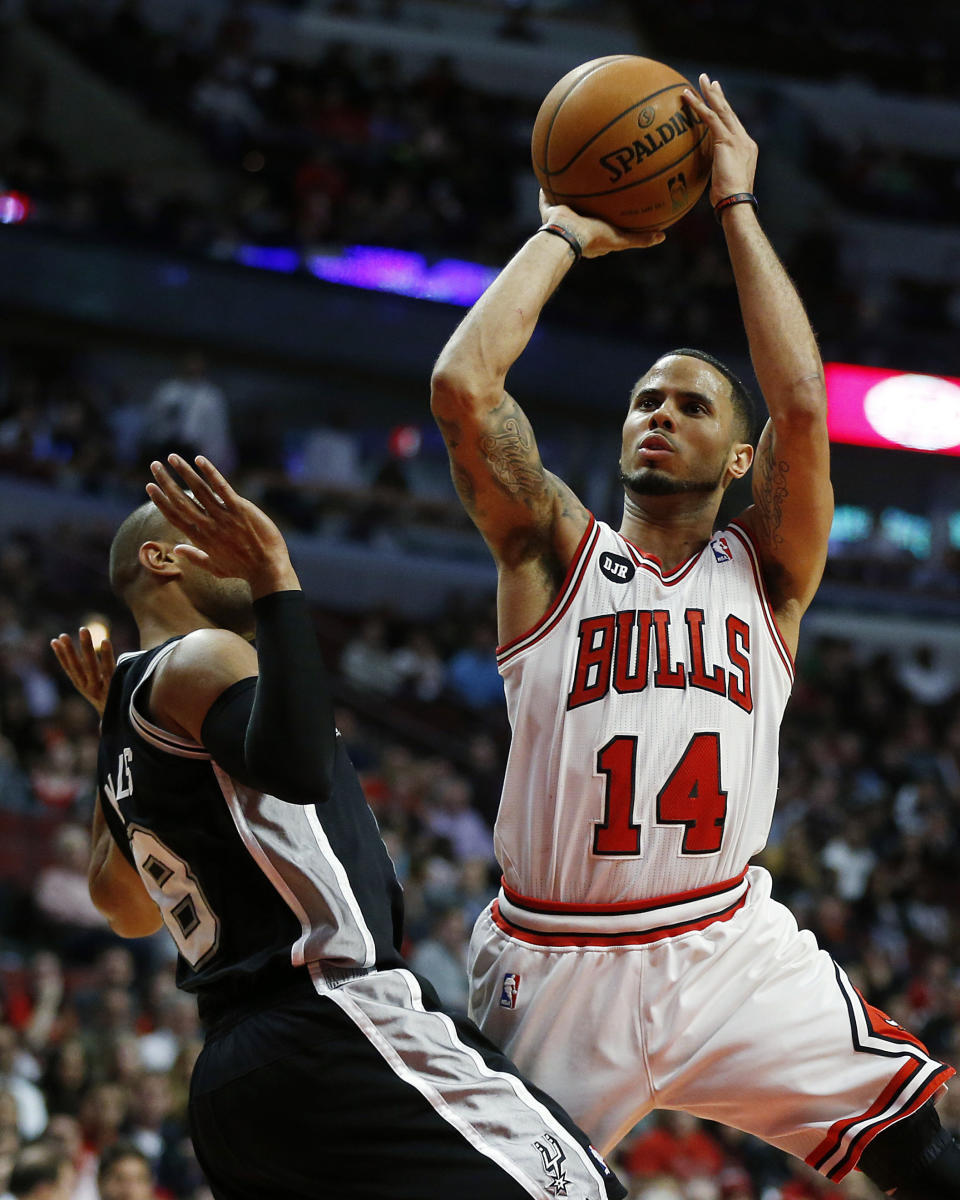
pixel 529 518
pixel 115 887
pixel 793 498
pixel 265 715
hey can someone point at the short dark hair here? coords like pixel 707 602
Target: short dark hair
pixel 744 408
pixel 119 1150
pixel 144 524
pixel 35 1165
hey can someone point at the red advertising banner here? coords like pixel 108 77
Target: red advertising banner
pixel 874 407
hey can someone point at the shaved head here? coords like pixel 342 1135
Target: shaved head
pixel 145 524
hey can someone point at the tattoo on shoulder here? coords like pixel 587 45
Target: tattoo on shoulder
pixel 769 497
pixel 513 458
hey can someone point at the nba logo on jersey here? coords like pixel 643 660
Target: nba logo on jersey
pixel 721 551
pixel 508 993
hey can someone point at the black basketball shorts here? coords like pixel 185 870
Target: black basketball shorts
pixel 368 1090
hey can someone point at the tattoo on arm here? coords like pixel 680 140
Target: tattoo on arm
pixel 771 493
pixel 509 454
pixel 463 482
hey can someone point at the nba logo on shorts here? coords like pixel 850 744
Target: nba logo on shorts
pixel 721 551
pixel 508 993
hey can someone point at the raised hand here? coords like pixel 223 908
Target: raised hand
pixel 734 150
pixel 228 536
pixel 88 669
pixel 596 237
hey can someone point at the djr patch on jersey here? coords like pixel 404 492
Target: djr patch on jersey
pixel 508 993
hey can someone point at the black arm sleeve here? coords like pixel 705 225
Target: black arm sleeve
pixel 276 732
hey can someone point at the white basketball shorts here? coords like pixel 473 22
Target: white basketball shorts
pixel 714 1003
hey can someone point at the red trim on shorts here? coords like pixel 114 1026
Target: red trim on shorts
pixel 624 906
pixel 639 938
pixel 782 648
pixel 540 627
pixel 834 1139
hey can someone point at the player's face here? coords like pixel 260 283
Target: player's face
pixel 678 435
pixel 227 603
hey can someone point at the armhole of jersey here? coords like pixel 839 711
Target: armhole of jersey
pixel 743 535
pixel 153 735
pixel 561 602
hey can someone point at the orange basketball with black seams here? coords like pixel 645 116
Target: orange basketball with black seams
pixel 614 139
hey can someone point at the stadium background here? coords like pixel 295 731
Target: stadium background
pixel 250 228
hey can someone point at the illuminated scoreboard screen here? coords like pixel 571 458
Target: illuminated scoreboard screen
pixel 893 409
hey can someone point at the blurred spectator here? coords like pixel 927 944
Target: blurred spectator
pixel 441 958
pixel 42 1172
pixel 188 414
pixel 472 671
pixel 124 1173
pixel 927 678
pixel 420 669
pixel 676 1146
pixel 34 1010
pixel 851 859
pixel 67 1075
pixel 103 1112
pixel 62 899
pixel 175 1027
pixel 451 815
pixel 367 661
pixel 30 1104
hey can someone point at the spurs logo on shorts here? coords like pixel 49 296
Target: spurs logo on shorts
pixel 553 1160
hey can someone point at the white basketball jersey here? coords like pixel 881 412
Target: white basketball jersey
pixel 645 709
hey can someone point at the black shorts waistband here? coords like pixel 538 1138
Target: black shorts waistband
pixel 223 1007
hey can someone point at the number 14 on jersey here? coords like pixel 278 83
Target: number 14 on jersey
pixel 692 797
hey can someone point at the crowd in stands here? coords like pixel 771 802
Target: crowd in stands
pixel 95 1042
pixel 820 39
pixel 351 149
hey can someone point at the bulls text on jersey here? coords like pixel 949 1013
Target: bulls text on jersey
pixel 615 649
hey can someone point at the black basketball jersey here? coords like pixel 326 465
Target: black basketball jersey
pixel 252 888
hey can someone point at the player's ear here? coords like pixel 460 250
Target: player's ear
pixel 158 558
pixel 741 456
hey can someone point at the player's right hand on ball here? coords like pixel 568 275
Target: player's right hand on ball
pixel 596 237
pixel 228 536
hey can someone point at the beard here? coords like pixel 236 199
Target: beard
pixel 228 603
pixel 649 481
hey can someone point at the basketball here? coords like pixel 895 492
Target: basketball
pixel 614 139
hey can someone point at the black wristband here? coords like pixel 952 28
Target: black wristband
pixel 737 198
pixel 560 232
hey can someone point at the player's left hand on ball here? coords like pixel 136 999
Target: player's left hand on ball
pixel 88 669
pixel 734 150
pixel 596 237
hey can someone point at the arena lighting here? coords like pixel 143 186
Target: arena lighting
pixel 14 208
pixel 894 409
pixel 404 272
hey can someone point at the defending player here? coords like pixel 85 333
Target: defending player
pixel 228 808
pixel 633 960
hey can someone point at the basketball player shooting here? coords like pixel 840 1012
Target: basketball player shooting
pixel 229 811
pixel 646 672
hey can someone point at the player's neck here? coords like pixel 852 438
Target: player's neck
pixel 670 528
pixel 158 623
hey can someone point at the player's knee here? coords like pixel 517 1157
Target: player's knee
pixel 915 1159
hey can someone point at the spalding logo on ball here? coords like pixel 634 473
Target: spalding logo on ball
pixel 613 139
